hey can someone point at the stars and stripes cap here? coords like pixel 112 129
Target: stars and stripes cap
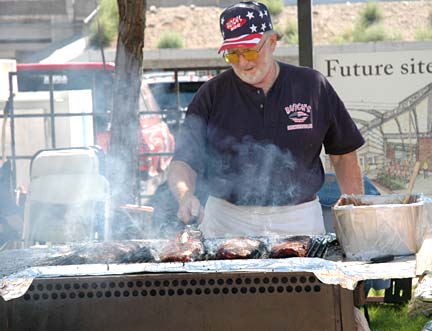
pixel 243 24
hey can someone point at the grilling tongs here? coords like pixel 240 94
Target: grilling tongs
pixel 193 223
pixel 190 230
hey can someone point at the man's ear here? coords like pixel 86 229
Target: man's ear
pixel 273 42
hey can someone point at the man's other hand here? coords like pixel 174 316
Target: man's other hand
pixel 190 209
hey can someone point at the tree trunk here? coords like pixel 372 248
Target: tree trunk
pixel 122 161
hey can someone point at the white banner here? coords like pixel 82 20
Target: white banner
pixel 377 76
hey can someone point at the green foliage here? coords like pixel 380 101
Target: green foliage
pixel 374 32
pixel 275 7
pixel 361 34
pixel 344 38
pixel 368 27
pixel 423 34
pixel 394 317
pixel 170 39
pixel 371 14
pixel 291 32
pixel 108 24
pixel 390 181
pixel 396 35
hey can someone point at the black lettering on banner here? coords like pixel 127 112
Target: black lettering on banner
pixel 343 73
pixel 356 66
pixel 388 69
pixel 329 68
pixel 419 67
pixel 404 68
pixel 378 67
pixel 421 63
pixel 334 68
pixel 412 67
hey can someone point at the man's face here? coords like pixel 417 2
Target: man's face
pixel 256 72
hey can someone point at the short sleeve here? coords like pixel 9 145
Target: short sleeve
pixel 342 136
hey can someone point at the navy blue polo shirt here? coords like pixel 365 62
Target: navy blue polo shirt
pixel 257 149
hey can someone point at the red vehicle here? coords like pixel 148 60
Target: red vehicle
pixel 98 77
pixel 156 136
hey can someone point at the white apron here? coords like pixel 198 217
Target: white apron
pixel 223 219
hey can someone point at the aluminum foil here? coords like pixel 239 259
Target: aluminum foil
pixel 345 274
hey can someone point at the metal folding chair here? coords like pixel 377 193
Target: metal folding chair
pixel 67 198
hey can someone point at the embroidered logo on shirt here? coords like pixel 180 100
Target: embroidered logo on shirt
pixel 299 115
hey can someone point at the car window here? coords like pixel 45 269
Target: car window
pixel 166 96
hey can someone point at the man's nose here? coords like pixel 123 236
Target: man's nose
pixel 242 59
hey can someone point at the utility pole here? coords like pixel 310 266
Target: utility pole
pixel 123 153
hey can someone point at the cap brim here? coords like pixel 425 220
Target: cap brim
pixel 247 40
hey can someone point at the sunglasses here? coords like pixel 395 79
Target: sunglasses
pixel 249 55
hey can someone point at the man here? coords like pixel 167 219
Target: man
pixel 255 132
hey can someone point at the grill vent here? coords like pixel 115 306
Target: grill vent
pixel 61 289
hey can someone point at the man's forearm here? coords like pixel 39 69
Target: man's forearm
pixel 181 179
pixel 348 173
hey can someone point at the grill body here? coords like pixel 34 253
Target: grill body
pixel 181 301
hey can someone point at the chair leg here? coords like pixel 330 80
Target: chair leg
pixel 366 313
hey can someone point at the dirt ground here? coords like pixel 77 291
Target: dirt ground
pixel 200 29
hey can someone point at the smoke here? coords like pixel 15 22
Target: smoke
pixel 252 172
pixel 62 208
pixel 259 166
pixel 65 207
pixel 243 169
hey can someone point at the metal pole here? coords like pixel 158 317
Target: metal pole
pixel 304 16
pixel 12 127
pixel 177 89
pixel 93 110
pixel 51 91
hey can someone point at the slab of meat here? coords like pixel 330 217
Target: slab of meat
pixel 241 248
pixel 141 255
pixel 104 252
pixel 187 252
pixel 187 247
pixel 296 246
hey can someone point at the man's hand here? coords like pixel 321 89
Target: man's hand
pixel 181 181
pixel 190 209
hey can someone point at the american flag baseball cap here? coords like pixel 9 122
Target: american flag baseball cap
pixel 243 24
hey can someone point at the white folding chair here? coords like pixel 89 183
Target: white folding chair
pixel 67 198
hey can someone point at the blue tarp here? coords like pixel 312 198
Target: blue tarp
pixel 330 191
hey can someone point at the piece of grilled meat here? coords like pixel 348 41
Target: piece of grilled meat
pixel 296 246
pixel 240 248
pixel 104 252
pixel 187 247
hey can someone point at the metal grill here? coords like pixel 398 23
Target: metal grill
pixel 64 289
pixel 183 301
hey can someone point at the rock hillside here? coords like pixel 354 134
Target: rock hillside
pixel 199 25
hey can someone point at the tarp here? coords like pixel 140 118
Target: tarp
pixel 330 192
